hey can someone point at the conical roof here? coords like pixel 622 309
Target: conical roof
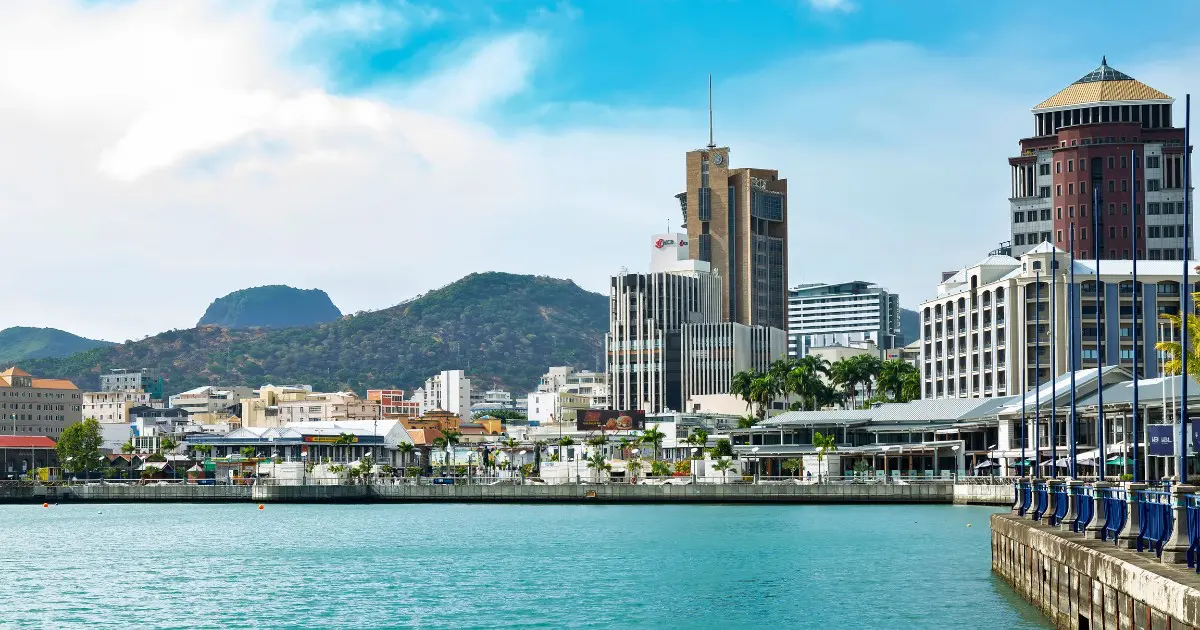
pixel 14 371
pixel 1104 84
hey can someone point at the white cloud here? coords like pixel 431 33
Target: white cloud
pixel 158 155
pixel 843 6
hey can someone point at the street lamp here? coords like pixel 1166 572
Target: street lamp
pixel 522 466
pixel 694 450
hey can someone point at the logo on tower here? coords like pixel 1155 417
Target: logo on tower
pixel 718 158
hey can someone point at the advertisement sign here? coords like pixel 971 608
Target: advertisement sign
pixel 327 439
pixel 609 420
pixel 1161 440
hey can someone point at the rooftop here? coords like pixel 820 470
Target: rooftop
pixel 1103 85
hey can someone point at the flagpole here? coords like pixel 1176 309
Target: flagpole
pixel 1136 305
pixel 1024 368
pixel 1037 373
pixel 1184 311
pixel 1100 346
pixel 1071 295
pixel 1053 366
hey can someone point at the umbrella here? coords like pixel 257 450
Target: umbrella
pixel 1119 460
pixel 986 464
pixel 1063 462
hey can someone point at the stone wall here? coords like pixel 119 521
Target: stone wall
pixel 1091 584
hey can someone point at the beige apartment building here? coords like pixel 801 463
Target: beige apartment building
pixel 278 406
pixel 37 406
pixel 112 407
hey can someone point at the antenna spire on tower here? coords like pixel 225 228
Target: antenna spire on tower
pixel 710 125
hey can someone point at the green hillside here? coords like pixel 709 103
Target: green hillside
pixel 272 306
pixel 503 329
pixel 21 342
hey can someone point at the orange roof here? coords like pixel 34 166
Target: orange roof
pixel 14 371
pixel 1103 85
pixel 424 437
pixel 53 383
pixel 25 441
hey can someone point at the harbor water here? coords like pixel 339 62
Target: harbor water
pixel 502 565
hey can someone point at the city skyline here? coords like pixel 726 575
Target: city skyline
pixel 303 132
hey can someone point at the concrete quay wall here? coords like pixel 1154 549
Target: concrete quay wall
pixel 614 493
pixel 1091 584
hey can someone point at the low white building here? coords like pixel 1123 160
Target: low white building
pixel 210 399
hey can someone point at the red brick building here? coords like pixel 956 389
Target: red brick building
pixel 1082 152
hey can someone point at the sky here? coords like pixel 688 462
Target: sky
pixel 156 155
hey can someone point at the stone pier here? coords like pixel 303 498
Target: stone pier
pixel 1086 584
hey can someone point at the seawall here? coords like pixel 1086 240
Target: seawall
pixel 587 493
pixel 1091 584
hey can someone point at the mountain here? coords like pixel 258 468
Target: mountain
pixel 503 329
pixel 910 325
pixel 20 342
pixel 272 306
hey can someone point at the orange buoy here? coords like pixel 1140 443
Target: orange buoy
pixel 260 506
pixel 45 505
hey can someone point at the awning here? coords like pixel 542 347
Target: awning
pixel 1119 460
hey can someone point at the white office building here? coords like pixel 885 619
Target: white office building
pixel 713 353
pixel 566 379
pixel 824 315
pixel 448 391
pixel 978 336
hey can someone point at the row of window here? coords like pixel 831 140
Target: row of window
pixel 29 394
pixel 31 406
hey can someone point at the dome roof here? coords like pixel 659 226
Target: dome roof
pixel 1104 84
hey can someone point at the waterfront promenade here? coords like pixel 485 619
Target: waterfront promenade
pixel 414 491
pixel 1103 555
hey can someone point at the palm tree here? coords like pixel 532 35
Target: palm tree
pixel 248 452
pixel 893 374
pixel 745 422
pixel 634 466
pixel 845 375
pixel 1174 349
pixel 660 468
pixel 698 439
pixel 763 390
pixel 598 463
pixel 406 449
pixel 722 466
pixel 655 437
pixel 823 443
pixel 127 447
pixel 740 386
pixel 910 386
pixel 868 367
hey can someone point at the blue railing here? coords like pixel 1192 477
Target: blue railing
pixel 1154 514
pixel 1083 503
pixel 1115 509
pixel 1193 525
pixel 1026 497
pixel 1041 500
pixel 1061 504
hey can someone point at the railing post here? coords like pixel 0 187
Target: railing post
pixel 1052 499
pixel 1133 523
pixel 1016 508
pixel 1095 527
pixel 1068 523
pixel 1175 549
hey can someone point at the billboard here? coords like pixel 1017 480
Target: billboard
pixel 609 420
pixel 1160 440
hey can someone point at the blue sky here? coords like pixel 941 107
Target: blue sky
pixel 377 149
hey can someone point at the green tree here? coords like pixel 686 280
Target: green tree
pixel 893 375
pixel 405 449
pixel 1174 349
pixel 793 466
pixel 127 448
pixel 723 466
pixel 345 439
pixel 167 445
pixel 248 452
pixel 78 447
pixel 823 443
pixel 660 468
pixel 598 463
pixel 745 422
pixel 202 449
pixel 740 386
pixel 634 466
pixel 763 390
pixel 499 414
pixel 653 437
pixel 722 449
pixel 699 440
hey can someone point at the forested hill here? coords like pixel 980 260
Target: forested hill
pixel 272 306
pixel 21 342
pixel 504 329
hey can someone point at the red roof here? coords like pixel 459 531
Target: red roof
pixel 25 441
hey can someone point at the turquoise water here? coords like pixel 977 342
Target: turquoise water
pixel 487 566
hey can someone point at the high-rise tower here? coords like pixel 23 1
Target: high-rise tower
pixel 736 220
pixel 1082 140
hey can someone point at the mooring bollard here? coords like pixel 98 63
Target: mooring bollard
pixel 1068 523
pixel 1133 523
pixel 1176 547
pixel 1095 527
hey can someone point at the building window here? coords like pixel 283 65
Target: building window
pixel 1152 207
pixel 1112 232
pixel 1112 209
pixel 1168 231
pixel 1058 167
pixel 1110 161
pixel 1060 242
pixel 1152 161
pixel 1044 192
pixel 1018 217
pixel 1058 190
pixel 1070 166
pixel 1083 210
pixel 1070 189
pixel 1043 169
pixel 1045 214
pixel 1124 162
pixel 1124 231
pixel 1153 185
pixel 1112 184
pixel 1124 185
pixel 1169 208
pixel 1018 239
pixel 1059 214
pixel 1083 234
pixel 1070 211
pixel 1125 209
pixel 1031 216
